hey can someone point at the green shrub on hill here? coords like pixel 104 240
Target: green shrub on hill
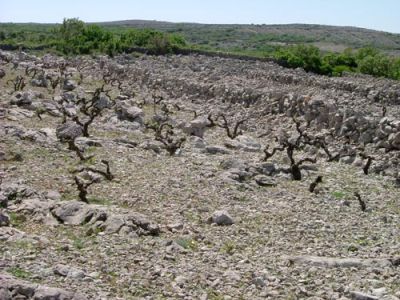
pixel 156 41
pixel 366 60
pixel 301 56
pixel 75 37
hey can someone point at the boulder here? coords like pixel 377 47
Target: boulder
pixel 34 136
pixel 152 145
pixel 130 113
pixel 263 180
pixel 235 176
pixel 50 134
pixel 87 142
pixel 35 206
pixel 349 159
pixel 5 294
pixel 50 108
pixel 336 262
pixel 232 163
pixel 221 218
pixel 68 271
pixel 103 102
pixel 213 149
pixel 67 97
pixel 195 142
pixel 196 127
pixel 125 142
pixel 114 123
pixel 77 213
pixel 361 296
pixel 3 201
pixel 11 234
pixel 394 140
pixel 69 131
pixel 4 219
pixel 69 85
pixel 53 195
pixel 40 81
pixel 14 288
pixel 132 222
pixel 16 192
pixel 247 143
pixel 23 98
pixel 114 224
pixel 69 109
pixel 267 168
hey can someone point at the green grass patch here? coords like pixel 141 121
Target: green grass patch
pixel 187 243
pixel 100 201
pixel 17 220
pixel 78 243
pixel 228 247
pixel 214 295
pixel 339 195
pixel 19 273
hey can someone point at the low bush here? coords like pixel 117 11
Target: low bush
pixel 366 61
pixel 75 37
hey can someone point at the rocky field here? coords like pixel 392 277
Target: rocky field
pixel 191 177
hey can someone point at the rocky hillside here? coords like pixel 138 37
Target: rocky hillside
pixel 192 177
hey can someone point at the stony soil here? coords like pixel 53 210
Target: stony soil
pixel 151 232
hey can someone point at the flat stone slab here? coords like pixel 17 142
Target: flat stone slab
pixel 334 262
pixel 14 288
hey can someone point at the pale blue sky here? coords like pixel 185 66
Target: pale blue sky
pixel 374 14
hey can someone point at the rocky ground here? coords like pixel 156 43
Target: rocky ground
pixel 211 219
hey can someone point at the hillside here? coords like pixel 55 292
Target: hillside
pixel 256 36
pixel 195 177
pixel 248 37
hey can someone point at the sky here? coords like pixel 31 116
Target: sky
pixel 373 14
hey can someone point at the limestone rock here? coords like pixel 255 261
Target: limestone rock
pixel 333 262
pixel 69 85
pixel 132 222
pixel 23 98
pixel 221 217
pixel 263 180
pixel 68 271
pixel 197 127
pixel 69 131
pixel 13 288
pixel 4 219
pixel 130 113
pixel 244 143
pixel 77 213
pixel 212 149
pixel 362 296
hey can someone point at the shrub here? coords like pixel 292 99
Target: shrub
pixel 377 65
pixel 395 70
pixel 156 41
pixel 307 57
pixel 366 60
pixel 75 37
pixel 338 70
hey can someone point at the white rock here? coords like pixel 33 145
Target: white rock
pixel 362 296
pixel 221 217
